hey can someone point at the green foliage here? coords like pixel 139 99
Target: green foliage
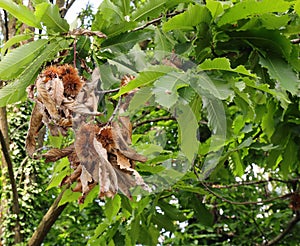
pixel 14 62
pixel 282 72
pixel 49 15
pixel 146 77
pixel 14 40
pixel 216 113
pixel 244 10
pixel 31 65
pixel 191 18
pixel 223 64
pixel 21 12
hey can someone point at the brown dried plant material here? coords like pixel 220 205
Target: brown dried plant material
pixel 35 125
pixel 100 154
pixel 78 187
pixel 72 83
pixel 104 164
pixel 86 32
pixel 123 147
pixel 55 154
pixel 45 98
pixel 295 202
pixel 75 176
pixel 93 158
pixel 57 88
pixel 87 100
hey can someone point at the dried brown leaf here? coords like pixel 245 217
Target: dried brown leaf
pixel 127 176
pixel 65 122
pixel 73 177
pixel 30 92
pixel 93 158
pixel 123 147
pixel 124 126
pixel 45 98
pixel 55 89
pixel 86 32
pixel 56 154
pixel 86 178
pixel 78 187
pixel 35 125
pixel 74 160
pixel 86 102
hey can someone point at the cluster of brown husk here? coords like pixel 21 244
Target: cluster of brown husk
pixel 100 153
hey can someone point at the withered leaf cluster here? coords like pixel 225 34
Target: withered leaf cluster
pixel 100 153
pixel 295 202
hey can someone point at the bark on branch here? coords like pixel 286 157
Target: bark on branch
pixel 48 220
pixel 246 202
pixel 288 228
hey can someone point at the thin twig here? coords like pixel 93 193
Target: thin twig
pixel 257 226
pixel 163 118
pixel 6 25
pixel 157 20
pixel 21 167
pixel 74 54
pixel 107 91
pixel 115 112
pixel 69 4
pixel 245 183
pixel 287 229
pixel 246 202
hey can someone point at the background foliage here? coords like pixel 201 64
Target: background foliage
pixel 219 94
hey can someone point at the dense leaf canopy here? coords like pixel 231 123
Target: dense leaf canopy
pixel 214 107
